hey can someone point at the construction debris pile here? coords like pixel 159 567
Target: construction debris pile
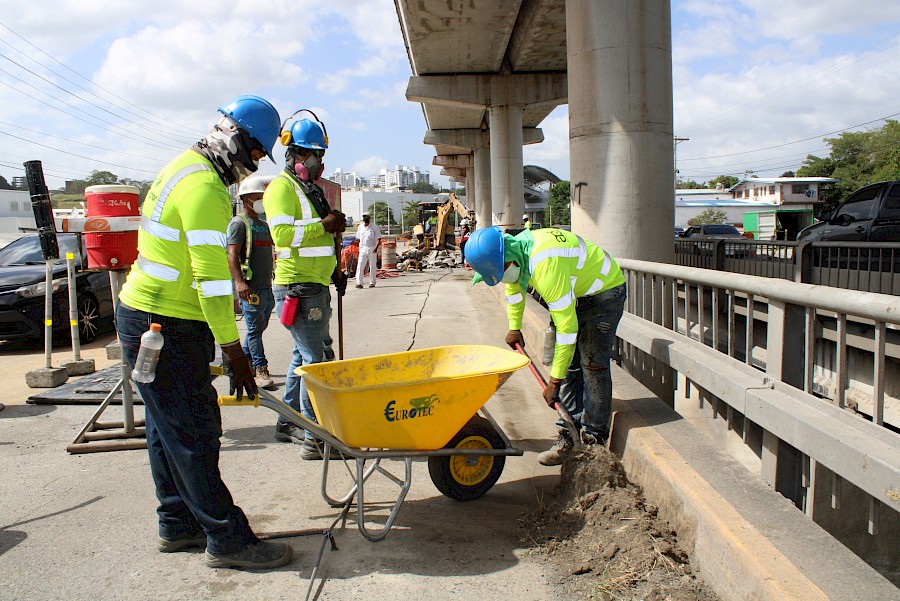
pixel 416 260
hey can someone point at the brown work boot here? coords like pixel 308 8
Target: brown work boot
pixel 263 379
pixel 561 448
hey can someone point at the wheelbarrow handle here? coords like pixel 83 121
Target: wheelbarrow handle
pixel 564 414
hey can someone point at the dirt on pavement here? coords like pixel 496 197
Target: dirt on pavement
pixel 604 541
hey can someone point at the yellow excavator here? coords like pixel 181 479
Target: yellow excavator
pixel 436 214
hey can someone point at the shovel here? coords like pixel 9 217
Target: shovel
pixel 560 409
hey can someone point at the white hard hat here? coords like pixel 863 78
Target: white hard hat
pixel 464 222
pixel 524 216
pixel 251 185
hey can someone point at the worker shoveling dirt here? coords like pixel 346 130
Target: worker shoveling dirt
pixel 605 542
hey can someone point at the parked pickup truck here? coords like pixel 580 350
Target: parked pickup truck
pixel 871 214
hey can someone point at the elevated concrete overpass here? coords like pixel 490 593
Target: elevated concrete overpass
pixel 488 72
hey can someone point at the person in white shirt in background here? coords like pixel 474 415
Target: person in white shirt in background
pixel 369 237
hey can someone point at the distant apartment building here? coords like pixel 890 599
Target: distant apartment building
pixel 399 177
pixel 346 179
pixel 797 192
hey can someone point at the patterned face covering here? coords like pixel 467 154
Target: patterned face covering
pixel 228 148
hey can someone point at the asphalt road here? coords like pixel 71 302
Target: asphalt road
pixel 84 526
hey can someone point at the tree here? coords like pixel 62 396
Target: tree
pixel 857 159
pixel 5 185
pixel 460 191
pixel 727 181
pixel 381 213
pixel 559 207
pixel 689 185
pixel 101 178
pixel 710 215
pixel 788 174
pixel 423 188
pixel 410 210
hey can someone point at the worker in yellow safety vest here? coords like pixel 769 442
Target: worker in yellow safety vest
pixel 584 289
pixel 181 281
pixel 304 228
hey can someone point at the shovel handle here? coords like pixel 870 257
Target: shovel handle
pixel 564 414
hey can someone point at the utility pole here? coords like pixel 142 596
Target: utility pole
pixel 675 160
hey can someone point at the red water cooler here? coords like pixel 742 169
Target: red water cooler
pixel 112 250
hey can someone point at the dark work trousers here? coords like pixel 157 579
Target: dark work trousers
pixel 586 391
pixel 183 429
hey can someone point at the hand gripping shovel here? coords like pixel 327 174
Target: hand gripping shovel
pixel 560 409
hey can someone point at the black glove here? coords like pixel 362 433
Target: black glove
pixel 242 374
pixel 339 279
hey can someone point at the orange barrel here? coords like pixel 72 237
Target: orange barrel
pixel 388 254
pixel 112 250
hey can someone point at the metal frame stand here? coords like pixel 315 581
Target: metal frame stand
pixel 129 434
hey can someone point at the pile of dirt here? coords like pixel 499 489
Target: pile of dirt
pixel 603 541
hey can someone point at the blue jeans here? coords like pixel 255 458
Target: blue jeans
pixel 257 319
pixel 183 430
pixel 311 335
pixel 587 389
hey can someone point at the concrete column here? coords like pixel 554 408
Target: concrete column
pixel 620 125
pixel 507 174
pixel 482 176
pixel 470 189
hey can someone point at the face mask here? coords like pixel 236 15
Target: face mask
pixel 511 275
pixel 258 207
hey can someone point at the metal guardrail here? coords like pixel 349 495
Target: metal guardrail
pixel 868 267
pixel 703 323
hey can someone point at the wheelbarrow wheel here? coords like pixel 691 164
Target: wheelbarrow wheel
pixel 467 477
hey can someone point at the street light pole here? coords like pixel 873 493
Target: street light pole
pixel 675 160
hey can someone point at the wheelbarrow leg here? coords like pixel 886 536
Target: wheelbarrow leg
pixel 361 505
pixel 348 497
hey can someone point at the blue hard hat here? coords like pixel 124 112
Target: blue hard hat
pixel 257 117
pixel 305 133
pixel 485 254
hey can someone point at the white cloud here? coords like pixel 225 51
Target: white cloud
pixel 369 166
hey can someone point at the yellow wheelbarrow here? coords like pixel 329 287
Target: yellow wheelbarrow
pixel 405 406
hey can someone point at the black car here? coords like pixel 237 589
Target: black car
pixel 22 283
pixel 871 214
pixel 707 233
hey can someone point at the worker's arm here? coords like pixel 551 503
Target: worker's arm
pixel 556 290
pixel 236 238
pixel 204 217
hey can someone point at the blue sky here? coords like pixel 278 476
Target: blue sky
pixel 750 78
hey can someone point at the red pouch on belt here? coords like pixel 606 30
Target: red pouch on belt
pixel 289 310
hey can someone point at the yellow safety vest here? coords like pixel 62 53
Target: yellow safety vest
pixel 563 268
pixel 182 265
pixel 304 251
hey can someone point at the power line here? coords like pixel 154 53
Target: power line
pixel 86 101
pixel 75 154
pixel 113 94
pixel 831 133
pixel 127 133
pixel 46 135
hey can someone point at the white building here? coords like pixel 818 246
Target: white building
pixel 15 211
pixel 355 202
pixel 787 192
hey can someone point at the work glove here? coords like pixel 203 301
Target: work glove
pixel 335 222
pixel 514 337
pixel 339 279
pixel 551 392
pixel 241 378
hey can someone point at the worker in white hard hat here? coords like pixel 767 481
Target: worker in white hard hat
pixel 526 221
pixel 250 260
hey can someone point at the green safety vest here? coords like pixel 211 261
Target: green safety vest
pixel 304 251
pixel 182 265
pixel 563 268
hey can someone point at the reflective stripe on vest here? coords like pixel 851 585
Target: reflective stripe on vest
pixel 562 303
pixel 208 237
pixel 566 338
pixel 312 251
pixel 515 299
pixel 157 270
pixel 152 225
pixel 216 288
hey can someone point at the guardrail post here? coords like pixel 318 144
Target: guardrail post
pixel 803 263
pixel 719 255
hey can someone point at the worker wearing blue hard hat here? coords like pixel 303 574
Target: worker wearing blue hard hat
pixel 584 289
pixel 182 282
